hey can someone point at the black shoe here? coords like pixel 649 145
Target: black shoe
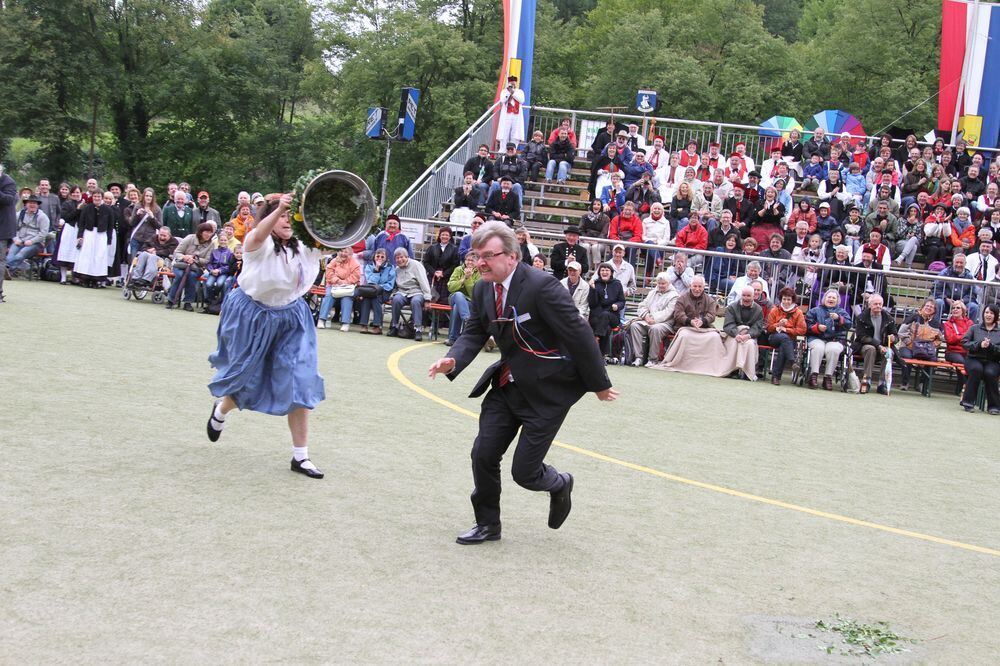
pixel 418 336
pixel 993 412
pixel 967 407
pixel 213 433
pixel 479 534
pixel 311 473
pixel 560 503
pixel 170 305
pixel 188 307
pixel 882 390
pixel 393 333
pixel 449 343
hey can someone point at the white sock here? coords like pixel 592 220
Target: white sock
pixel 219 417
pixel 62 274
pixel 301 453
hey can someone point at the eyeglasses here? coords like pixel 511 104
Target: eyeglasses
pixel 487 256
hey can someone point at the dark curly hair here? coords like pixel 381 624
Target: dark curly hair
pixel 280 244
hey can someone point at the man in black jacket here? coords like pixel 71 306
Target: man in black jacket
pixel 548 361
pixel 503 204
pixel 568 250
pixel 741 208
pixel 8 220
pixel 514 167
pixel 875 331
pixel 483 170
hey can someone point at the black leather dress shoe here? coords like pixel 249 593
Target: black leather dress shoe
pixel 479 534
pixel 560 503
pixel 213 433
pixel 311 473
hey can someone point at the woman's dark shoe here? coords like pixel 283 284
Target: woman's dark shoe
pixel 309 471
pixel 213 432
pixel 814 380
pixel 827 383
pixel 967 407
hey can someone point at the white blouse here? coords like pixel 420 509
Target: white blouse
pixel 277 279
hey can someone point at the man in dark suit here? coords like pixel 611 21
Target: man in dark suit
pixel 548 361
pixel 503 205
pixel 8 220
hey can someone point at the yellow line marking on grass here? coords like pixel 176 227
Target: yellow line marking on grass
pixel 393 365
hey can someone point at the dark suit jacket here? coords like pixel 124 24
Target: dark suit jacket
pixel 509 206
pixel 551 321
pixel 8 201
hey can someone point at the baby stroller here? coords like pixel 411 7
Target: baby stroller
pixel 139 290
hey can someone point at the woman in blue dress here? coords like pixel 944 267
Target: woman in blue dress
pixel 266 359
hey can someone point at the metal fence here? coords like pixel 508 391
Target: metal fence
pixel 903 291
pixel 424 198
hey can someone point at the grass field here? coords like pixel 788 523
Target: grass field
pixel 126 536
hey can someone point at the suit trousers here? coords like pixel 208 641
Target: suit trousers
pixel 504 411
pixel 657 334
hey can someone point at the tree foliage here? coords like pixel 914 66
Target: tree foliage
pixel 231 94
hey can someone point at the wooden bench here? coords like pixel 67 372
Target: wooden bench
pixel 35 265
pixel 926 371
pixel 435 309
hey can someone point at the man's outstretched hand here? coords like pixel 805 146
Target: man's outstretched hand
pixel 441 366
pixel 607 395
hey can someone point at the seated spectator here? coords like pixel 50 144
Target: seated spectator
pixel 818 144
pixel 565 124
pixel 440 259
pixel 767 217
pixel 390 240
pixel 568 250
pixel 937 235
pixel 29 239
pixel 503 205
pixel 466 244
pixel 769 167
pixel 723 271
pixel 613 195
pixel 655 231
pixel 989 201
pixel 467 195
pixel 827 325
pixel 744 323
pixel 680 274
pixel 153 256
pixel 626 227
pixel 642 193
pixel 536 154
pixel 874 335
pixel 562 152
pixel 708 203
pixel 680 207
pixel 798 238
pixel 955 328
pixel 669 177
pixel 622 270
pixel 826 222
pixel 411 289
pixel 607 302
pixel 578 288
pixel 905 236
pixel 803 211
pixel 883 257
pixel 649 330
pixel 725 226
pixel 604 164
pixel 538 263
pixel 813 173
pixel 811 254
pixel 637 168
pixel 217 274
pixel 919 338
pixel 343 275
pixel 694 236
pixel 856 184
pixel 982 362
pixel 595 223
pixel 947 293
pixel 963 232
pixel 753 272
pixel 837 237
pixel 791 151
pixel 190 258
pixel 482 169
pixel 784 324
pixel 463 278
pixel 775 274
pixel 528 249
pixel 741 208
pixel 513 166
pixel 854 227
pixel 381 275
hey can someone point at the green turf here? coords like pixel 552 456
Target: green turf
pixel 126 536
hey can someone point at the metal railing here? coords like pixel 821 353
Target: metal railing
pixel 424 198
pixel 903 291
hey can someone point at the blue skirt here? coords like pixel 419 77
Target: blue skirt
pixel 266 360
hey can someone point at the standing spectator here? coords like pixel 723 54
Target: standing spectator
pixel 440 259
pixel 8 220
pixel 66 249
pixel 29 239
pixel 203 212
pixel 411 289
pixel 982 364
pixel 146 219
pixel 51 204
pixel 463 278
pixel 93 222
pixel 242 199
pixel 178 216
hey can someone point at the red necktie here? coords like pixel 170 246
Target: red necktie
pixel 504 368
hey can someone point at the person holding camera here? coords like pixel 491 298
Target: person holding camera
pixel 982 363
pixel 510 127
pixel 380 279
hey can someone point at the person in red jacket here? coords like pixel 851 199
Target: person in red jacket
pixel 627 227
pixel 693 237
pixel 955 326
